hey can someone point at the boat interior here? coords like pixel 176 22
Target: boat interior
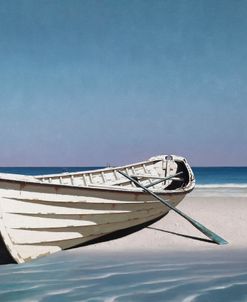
pixel 160 173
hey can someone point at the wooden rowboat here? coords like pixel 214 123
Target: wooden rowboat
pixel 44 214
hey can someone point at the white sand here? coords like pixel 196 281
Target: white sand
pixel 226 216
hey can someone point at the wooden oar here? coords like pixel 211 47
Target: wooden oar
pixel 214 237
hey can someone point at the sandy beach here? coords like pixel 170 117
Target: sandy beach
pixel 223 214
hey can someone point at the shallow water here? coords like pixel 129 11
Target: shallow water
pixel 75 276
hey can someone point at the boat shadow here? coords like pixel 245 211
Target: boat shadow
pixel 182 235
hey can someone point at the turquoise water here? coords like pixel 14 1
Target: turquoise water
pixel 72 276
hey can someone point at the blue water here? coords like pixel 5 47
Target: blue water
pixel 220 175
pixel 43 170
pixel 74 276
pixel 204 176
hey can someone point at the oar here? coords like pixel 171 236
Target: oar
pixel 214 237
pixel 164 179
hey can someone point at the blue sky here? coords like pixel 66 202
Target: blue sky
pixel 96 82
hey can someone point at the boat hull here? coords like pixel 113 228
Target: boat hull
pixel 41 219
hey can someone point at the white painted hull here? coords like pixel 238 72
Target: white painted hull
pixel 39 218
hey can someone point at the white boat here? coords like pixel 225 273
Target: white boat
pixel 45 214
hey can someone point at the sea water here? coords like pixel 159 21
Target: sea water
pixel 221 181
pixel 76 276
pixel 72 276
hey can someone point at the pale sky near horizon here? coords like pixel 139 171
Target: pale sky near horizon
pixel 96 82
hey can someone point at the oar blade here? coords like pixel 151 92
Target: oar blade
pixel 214 237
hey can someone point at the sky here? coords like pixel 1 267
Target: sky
pixel 89 83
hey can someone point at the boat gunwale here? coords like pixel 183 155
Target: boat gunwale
pixel 37 180
pixel 103 169
pixel 115 189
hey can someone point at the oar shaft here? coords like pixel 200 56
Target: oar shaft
pixel 164 179
pixel 196 224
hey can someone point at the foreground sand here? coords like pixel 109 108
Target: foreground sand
pixel 226 216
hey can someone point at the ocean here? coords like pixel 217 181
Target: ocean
pixel 219 181
pixel 116 277
pixel 221 176
pixel 69 276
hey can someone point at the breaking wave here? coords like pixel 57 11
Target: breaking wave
pixel 228 185
pixel 117 278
